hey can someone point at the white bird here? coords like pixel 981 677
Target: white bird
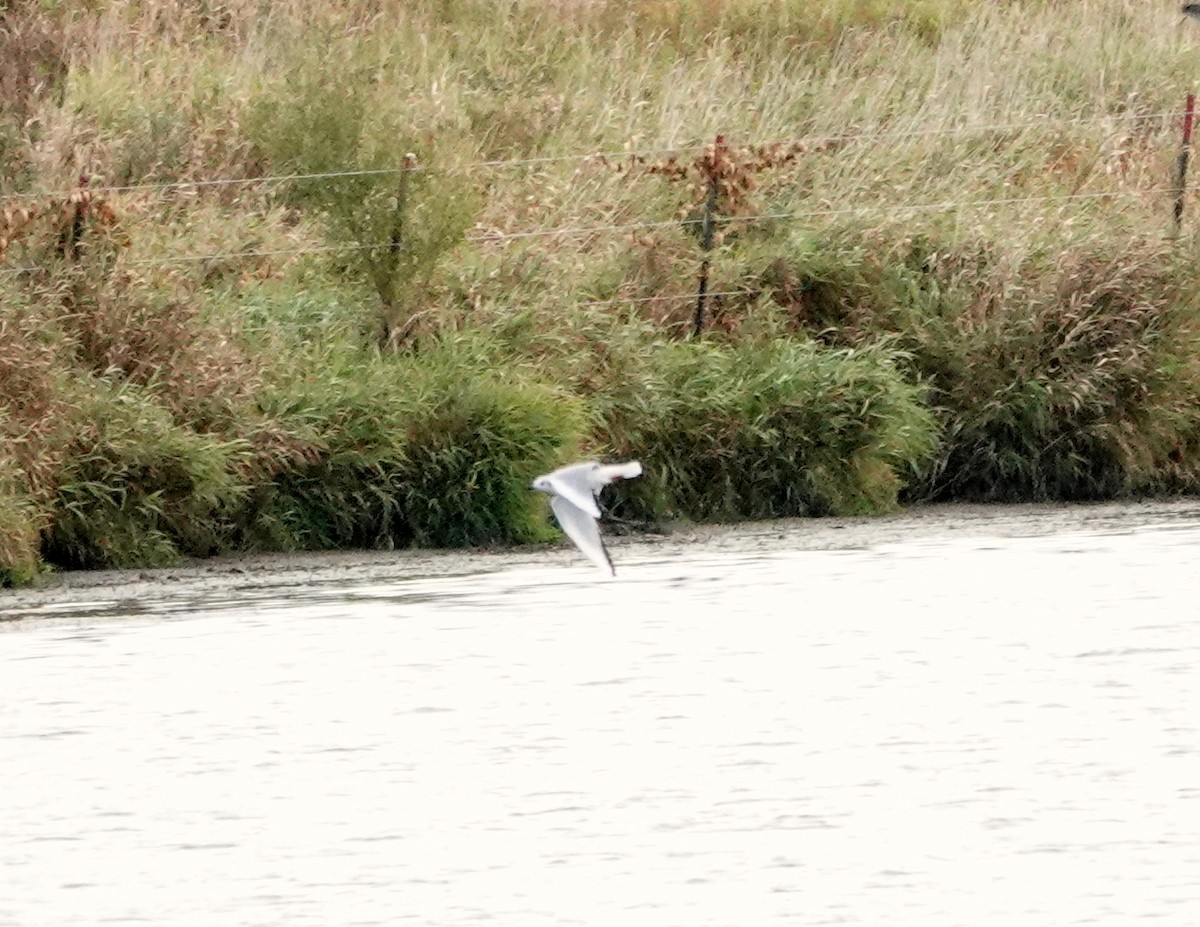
pixel 573 492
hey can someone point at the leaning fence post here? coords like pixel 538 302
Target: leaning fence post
pixel 1181 165
pixel 707 231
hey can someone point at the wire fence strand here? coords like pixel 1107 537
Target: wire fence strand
pixel 814 141
pixel 668 298
pixel 497 237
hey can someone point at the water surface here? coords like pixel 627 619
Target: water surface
pixel 935 730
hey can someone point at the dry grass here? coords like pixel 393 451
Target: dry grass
pixel 1048 324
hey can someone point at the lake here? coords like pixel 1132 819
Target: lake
pixel 970 718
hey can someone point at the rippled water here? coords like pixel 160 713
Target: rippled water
pixel 928 732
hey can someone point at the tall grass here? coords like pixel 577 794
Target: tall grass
pixel 138 489
pixel 1055 375
pixel 415 452
pixel 767 429
pixel 326 115
pixel 20 558
pixel 376 359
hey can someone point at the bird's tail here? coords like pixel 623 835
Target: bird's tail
pixel 622 471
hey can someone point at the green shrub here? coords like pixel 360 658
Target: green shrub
pixel 139 490
pixel 397 212
pixel 1062 375
pixel 436 450
pixel 758 430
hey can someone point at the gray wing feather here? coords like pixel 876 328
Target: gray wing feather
pixel 575 485
pixel 581 483
pixel 581 528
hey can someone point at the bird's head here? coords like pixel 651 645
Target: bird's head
pixel 541 484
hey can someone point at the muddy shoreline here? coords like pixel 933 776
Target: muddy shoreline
pixel 228 574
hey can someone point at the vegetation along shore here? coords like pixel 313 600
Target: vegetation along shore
pixel 285 276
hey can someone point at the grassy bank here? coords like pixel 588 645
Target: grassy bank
pixel 941 265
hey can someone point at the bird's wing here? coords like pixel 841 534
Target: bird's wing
pixel 575 485
pixel 582 528
pixel 605 474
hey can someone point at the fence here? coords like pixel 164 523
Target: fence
pixel 716 163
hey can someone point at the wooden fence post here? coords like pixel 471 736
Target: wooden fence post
pixel 1181 165
pixel 72 231
pixel 707 231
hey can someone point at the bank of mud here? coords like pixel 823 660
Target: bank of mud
pixel 62 593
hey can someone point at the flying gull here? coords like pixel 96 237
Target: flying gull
pixel 573 493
